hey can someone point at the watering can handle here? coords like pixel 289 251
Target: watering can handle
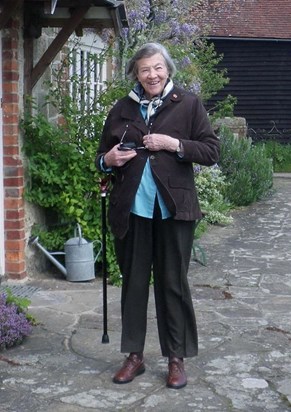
pixel 100 249
pixel 79 232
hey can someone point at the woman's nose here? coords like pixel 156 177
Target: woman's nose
pixel 152 73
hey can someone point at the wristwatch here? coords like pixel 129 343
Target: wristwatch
pixel 179 148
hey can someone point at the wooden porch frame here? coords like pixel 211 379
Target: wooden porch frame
pixel 33 74
pixel 74 23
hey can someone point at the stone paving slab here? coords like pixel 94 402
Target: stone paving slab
pixel 242 300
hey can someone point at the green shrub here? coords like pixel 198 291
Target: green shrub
pixel 280 153
pixel 63 180
pixel 211 186
pixel 247 168
pixel 223 108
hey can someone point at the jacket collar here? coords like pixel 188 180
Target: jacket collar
pixel 131 110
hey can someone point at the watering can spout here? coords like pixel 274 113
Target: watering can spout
pixel 34 241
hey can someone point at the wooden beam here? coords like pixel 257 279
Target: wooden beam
pixel 8 9
pixel 58 43
pixel 86 23
pixel 28 64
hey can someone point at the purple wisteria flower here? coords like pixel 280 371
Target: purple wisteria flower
pixel 124 32
pixel 107 35
pixel 14 326
pixel 175 27
pixel 137 18
pixel 188 29
pixel 161 16
pixel 186 61
pixel 195 87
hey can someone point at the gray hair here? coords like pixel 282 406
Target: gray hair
pixel 149 50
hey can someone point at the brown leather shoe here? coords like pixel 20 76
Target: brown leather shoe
pixel 132 367
pixel 177 377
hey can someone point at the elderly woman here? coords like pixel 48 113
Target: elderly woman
pixel 149 141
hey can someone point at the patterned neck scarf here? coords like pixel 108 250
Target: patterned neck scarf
pixel 137 94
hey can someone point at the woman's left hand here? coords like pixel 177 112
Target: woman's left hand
pixel 156 141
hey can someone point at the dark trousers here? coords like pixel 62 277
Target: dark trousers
pixel 161 247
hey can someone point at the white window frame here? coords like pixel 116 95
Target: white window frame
pixel 93 75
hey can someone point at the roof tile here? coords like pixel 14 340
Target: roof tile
pixel 246 18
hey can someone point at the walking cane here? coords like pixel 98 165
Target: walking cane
pixel 103 189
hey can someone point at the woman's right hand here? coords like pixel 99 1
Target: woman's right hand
pixel 116 157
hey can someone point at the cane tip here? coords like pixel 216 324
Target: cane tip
pixel 105 339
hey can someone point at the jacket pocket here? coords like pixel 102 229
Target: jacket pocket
pixel 180 183
pixel 181 190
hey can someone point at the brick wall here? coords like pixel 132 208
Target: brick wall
pixel 13 165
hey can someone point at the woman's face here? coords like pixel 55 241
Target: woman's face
pixel 152 73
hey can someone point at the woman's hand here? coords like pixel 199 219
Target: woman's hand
pixel 116 157
pixel 156 142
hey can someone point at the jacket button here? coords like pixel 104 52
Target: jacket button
pixel 152 157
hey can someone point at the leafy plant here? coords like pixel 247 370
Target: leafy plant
pixel 247 168
pixel 15 322
pixel 211 186
pixel 223 108
pixel 280 154
pixel 63 180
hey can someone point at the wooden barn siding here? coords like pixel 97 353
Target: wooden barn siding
pixel 260 79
